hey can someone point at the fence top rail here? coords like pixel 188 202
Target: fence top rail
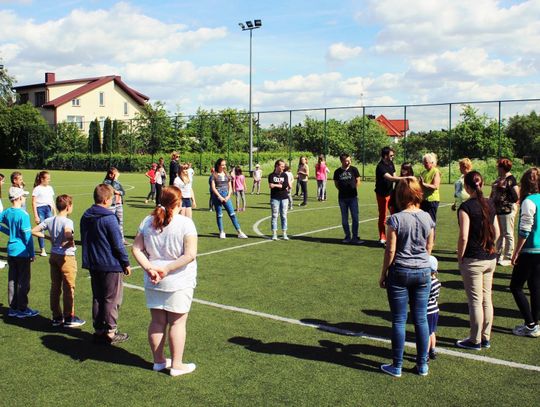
pixel 306 109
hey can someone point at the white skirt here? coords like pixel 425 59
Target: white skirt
pixel 178 302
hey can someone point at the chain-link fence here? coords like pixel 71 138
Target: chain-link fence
pixel 479 130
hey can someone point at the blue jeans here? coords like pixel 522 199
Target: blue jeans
pixel 409 286
pixel 279 207
pixel 321 189
pixel 43 212
pixel 219 211
pixel 346 205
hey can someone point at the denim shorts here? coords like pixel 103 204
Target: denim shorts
pixel 186 202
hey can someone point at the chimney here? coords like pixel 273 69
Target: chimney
pixel 50 77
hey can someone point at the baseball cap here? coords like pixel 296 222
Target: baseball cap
pixel 257 165
pixel 16 193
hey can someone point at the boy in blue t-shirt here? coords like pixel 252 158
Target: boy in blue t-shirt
pixel 15 223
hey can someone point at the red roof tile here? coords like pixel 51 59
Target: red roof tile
pixel 394 128
pixel 88 85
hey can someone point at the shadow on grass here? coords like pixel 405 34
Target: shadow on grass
pixel 463 308
pixel 444 320
pixel 75 343
pixel 329 240
pixel 458 285
pixel 328 351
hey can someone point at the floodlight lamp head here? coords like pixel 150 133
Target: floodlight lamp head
pixel 258 23
pixel 242 26
pixel 249 24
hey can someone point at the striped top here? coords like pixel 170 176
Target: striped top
pixel 433 305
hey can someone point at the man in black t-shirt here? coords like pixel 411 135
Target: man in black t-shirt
pixel 174 166
pixel 385 176
pixel 346 180
pixel 279 184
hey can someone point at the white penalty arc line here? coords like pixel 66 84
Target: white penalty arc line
pixel 362 335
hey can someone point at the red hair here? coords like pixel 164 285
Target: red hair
pixel 171 197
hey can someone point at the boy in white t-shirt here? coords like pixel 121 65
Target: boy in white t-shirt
pixel 62 262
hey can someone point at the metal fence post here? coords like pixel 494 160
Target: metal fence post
pixel 449 142
pixel 290 138
pixel 363 142
pixel 325 139
pixel 500 124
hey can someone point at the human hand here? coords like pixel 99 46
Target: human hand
pixel 453 207
pixel 127 270
pixel 153 275
pixel 514 258
pixel 382 281
pixel 38 221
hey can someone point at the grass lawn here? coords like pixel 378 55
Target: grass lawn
pixel 246 359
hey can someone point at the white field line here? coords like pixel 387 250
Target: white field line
pixel 362 335
pixel 332 329
pixel 127 188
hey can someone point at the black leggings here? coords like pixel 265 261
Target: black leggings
pixel 527 270
pixel 303 185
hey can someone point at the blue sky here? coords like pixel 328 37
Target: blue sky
pixel 307 54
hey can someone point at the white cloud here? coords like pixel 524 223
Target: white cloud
pixel 342 52
pixel 417 27
pixel 468 63
pixel 120 34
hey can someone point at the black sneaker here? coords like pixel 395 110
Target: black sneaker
pixel 117 338
pixel 74 321
pixel 468 344
pixel 57 321
pixel 432 354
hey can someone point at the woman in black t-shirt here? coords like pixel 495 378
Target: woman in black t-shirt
pixel 478 233
pixel 279 184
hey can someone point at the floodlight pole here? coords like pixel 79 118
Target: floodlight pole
pixel 250 27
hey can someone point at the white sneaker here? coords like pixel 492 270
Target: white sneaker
pixel 222 235
pixel 524 330
pixel 285 237
pixel 504 263
pixel 242 235
pixel 274 236
pixel 43 253
pixel 2 264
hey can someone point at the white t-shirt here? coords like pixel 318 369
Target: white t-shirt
pixel 190 173
pixel 44 195
pixel 167 246
pixel 257 175
pixel 184 188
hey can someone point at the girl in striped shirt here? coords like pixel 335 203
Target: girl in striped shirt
pixel 433 307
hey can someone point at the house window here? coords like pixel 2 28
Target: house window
pixel 23 98
pixel 78 120
pixel 102 98
pixel 40 99
pixel 125 108
pixel 75 102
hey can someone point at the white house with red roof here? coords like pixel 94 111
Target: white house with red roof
pixel 393 128
pixel 83 100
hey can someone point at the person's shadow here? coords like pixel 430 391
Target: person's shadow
pixel 74 342
pixel 352 356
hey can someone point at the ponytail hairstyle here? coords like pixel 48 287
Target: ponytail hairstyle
pixel 39 177
pixel 171 197
pixel 529 183
pixel 475 182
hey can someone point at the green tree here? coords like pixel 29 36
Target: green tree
pixel 65 138
pixel 94 139
pixel 524 130
pixel 7 97
pixel 107 146
pixel 477 136
pixel 154 129
pixel 116 125
pixel 23 135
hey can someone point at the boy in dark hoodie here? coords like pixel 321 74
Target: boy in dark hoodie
pixel 104 255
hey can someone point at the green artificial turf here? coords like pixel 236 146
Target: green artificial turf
pixel 253 360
